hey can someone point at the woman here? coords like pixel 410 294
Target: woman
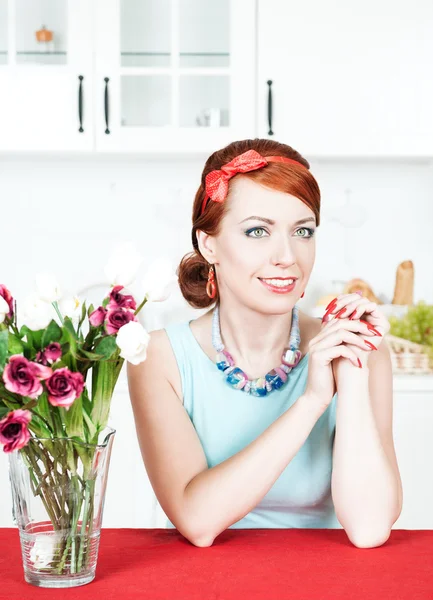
pixel 236 411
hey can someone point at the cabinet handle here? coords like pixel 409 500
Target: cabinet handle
pixel 106 79
pixel 80 103
pixel 270 132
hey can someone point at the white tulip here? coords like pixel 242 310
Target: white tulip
pixel 70 306
pixel 47 287
pixel 133 339
pixel 43 550
pixel 36 313
pixel 157 280
pixel 4 309
pixel 123 264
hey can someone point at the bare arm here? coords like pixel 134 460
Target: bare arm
pixel 200 501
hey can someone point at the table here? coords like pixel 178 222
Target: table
pixel 250 564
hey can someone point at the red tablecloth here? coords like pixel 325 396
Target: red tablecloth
pixel 250 564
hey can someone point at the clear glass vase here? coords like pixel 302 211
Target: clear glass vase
pixel 58 492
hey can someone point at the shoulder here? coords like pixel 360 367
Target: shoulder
pixel 160 362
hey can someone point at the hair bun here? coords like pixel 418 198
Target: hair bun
pixel 193 273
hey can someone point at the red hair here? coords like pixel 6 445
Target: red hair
pixel 284 177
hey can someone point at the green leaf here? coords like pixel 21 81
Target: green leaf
pixel 106 347
pixel 70 335
pixel 53 333
pixel 102 391
pixel 4 334
pixel 83 314
pixel 90 425
pixel 90 310
pixel 73 419
pixel 25 331
pixel 15 345
pixel 91 355
pixel 105 302
pixel 4 410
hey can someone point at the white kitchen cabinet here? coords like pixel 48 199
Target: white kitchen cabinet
pixel 347 79
pixel 173 75
pixel 40 81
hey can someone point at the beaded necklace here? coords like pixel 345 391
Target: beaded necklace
pixel 273 380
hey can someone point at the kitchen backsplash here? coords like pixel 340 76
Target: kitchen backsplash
pixel 65 214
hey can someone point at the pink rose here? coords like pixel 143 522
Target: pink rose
pixel 50 354
pixel 64 386
pixel 97 317
pixel 118 300
pixel 117 318
pixel 13 430
pixel 24 377
pixel 8 298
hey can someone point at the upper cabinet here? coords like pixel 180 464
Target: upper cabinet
pixel 174 75
pixel 341 79
pixel 46 75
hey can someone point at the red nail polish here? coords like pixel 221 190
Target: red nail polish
pixel 340 312
pixel 352 316
pixel 360 364
pixel 372 346
pixel 371 328
pixel 331 304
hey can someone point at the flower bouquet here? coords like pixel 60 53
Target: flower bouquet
pixel 58 372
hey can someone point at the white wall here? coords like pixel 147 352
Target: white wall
pixel 65 214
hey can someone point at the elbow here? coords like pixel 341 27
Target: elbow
pixel 368 539
pixel 200 539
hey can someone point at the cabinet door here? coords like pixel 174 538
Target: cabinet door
pixel 45 57
pixel 174 75
pixel 347 78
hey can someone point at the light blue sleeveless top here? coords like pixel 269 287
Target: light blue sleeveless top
pixel 226 420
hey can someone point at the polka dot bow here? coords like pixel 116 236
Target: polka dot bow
pixel 217 182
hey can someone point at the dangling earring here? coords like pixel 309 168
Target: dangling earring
pixel 303 294
pixel 211 286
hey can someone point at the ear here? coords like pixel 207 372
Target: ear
pixel 207 246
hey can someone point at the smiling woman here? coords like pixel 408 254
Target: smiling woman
pixel 236 410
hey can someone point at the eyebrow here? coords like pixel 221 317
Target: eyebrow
pixel 271 222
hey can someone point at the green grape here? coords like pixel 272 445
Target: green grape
pixel 416 326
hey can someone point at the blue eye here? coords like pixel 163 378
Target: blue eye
pixel 310 231
pixel 254 229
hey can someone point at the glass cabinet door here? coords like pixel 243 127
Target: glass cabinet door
pixel 171 70
pixel 45 75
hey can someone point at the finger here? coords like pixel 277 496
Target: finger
pixel 339 336
pixel 345 309
pixel 361 327
pixel 339 302
pixel 327 355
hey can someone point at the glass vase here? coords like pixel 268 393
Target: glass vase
pixel 58 492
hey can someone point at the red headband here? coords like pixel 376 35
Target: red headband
pixel 217 181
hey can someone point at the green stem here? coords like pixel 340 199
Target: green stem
pixel 85 539
pixel 44 491
pixel 141 306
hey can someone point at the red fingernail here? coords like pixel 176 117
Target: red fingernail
pixel 372 346
pixel 329 311
pixel 360 364
pixel 371 328
pixel 332 303
pixel 352 316
pixel 340 312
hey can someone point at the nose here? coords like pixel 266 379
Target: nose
pixel 283 251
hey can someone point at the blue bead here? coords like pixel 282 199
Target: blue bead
pixel 223 365
pixel 237 378
pixel 274 380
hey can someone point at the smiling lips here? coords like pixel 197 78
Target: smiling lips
pixel 279 284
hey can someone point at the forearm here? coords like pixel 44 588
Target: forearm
pixel 364 486
pixel 218 497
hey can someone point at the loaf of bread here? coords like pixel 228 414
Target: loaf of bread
pixel 359 284
pixel 404 279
